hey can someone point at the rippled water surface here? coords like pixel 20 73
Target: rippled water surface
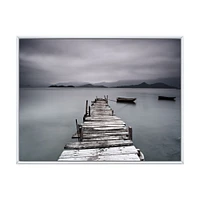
pixel 47 120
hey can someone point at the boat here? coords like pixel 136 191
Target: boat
pixel 126 100
pixel 166 98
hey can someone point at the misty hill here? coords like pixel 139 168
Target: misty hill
pixel 61 86
pixel 75 84
pixel 174 82
pixel 92 86
pixel 146 85
pixel 141 85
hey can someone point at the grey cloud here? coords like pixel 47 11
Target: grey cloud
pixel 98 60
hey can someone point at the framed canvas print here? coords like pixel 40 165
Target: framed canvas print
pixel 99 100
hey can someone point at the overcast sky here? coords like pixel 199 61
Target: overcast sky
pixel 49 61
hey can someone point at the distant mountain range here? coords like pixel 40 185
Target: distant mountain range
pixel 170 82
pixel 145 85
pixel 141 85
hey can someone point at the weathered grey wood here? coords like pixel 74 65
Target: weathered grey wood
pixel 92 131
pixel 110 128
pixel 106 127
pixel 97 134
pixel 89 111
pixel 113 158
pixel 101 114
pixel 102 137
pixel 86 107
pixel 100 151
pixel 106 154
pixel 105 138
pixel 104 121
pixel 97 144
pixel 130 131
pixel 93 113
pixel 100 123
pixel 77 129
pixel 102 118
pixel 120 157
pixel 81 134
pixel 105 132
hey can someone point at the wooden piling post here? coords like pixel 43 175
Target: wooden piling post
pixel 81 134
pixel 89 111
pixel 130 133
pixel 77 126
pixel 77 129
pixel 139 152
pixel 86 107
pixel 83 118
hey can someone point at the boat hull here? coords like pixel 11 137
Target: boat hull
pixel 126 100
pixel 166 98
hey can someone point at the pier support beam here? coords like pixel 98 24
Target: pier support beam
pixel 80 134
pixel 77 126
pixel 86 107
pixel 89 111
pixel 130 133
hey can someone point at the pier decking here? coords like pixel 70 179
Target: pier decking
pixel 101 137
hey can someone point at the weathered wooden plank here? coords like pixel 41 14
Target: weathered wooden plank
pixel 102 123
pixel 92 131
pixel 97 144
pixel 100 108
pixel 99 151
pixel 103 118
pixel 100 105
pixel 105 138
pixel 110 128
pixel 120 157
pixel 93 113
pixel 96 134
pixel 88 134
pixel 105 127
pixel 103 114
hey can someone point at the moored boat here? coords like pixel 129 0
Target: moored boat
pixel 166 98
pixel 126 100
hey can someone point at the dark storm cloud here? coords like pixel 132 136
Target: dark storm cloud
pixel 46 61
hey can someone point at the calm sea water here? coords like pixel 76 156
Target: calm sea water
pixel 47 120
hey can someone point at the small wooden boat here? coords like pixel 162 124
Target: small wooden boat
pixel 126 100
pixel 166 98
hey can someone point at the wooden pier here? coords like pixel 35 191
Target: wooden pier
pixel 101 137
